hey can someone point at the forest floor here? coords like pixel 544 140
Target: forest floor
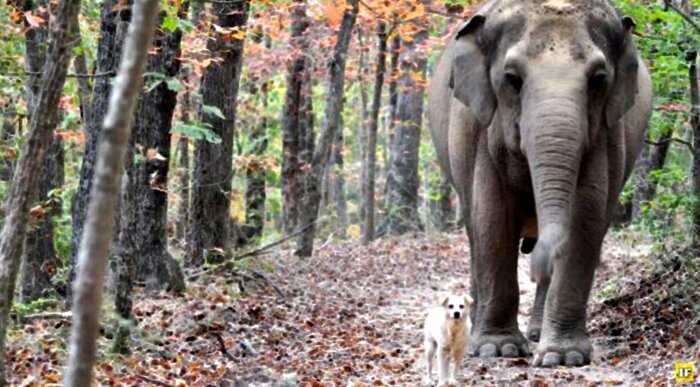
pixel 352 316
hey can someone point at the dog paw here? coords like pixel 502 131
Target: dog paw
pixel 452 381
pixel 443 383
pixel 513 345
pixel 427 381
pixel 570 352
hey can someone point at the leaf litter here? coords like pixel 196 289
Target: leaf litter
pixel 352 316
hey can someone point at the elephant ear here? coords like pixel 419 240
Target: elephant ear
pixel 625 86
pixel 469 79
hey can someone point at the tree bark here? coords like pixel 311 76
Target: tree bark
pixel 143 241
pixel 39 260
pixel 322 151
pixel 338 184
pixel 183 152
pixel 7 139
pixel 292 125
pixel 371 152
pixel 402 178
pixel 695 125
pixel 652 159
pixel 255 194
pixel 94 246
pixel 393 108
pixel 210 227
pixel 113 27
pixel 25 183
pixel 439 203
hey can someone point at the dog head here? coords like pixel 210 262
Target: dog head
pixel 456 306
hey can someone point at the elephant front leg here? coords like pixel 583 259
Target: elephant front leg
pixel 494 268
pixel 564 340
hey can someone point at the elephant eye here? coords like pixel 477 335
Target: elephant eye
pixel 598 80
pixel 514 80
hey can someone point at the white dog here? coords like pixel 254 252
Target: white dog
pixel 446 331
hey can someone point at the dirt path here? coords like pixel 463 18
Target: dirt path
pixel 351 316
pixel 374 300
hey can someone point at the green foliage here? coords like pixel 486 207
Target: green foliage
pixel 20 310
pixel 197 130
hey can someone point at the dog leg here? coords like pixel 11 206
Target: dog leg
pixel 430 347
pixel 457 355
pixel 443 367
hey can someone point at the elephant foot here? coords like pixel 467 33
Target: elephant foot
pixel 502 345
pixel 571 352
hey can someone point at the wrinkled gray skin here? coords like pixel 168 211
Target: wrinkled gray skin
pixel 538 110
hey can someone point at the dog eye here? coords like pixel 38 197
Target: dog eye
pixel 451 306
pixel 461 307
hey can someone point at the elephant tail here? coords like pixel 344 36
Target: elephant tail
pixel 549 246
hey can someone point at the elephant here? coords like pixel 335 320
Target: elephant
pixel 537 110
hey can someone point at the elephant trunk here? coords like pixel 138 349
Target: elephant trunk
pixel 554 140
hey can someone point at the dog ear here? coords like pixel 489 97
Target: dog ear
pixel 444 299
pixel 468 300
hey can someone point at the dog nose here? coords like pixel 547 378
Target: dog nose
pixel 456 314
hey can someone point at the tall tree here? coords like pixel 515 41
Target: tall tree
pixel 323 149
pixel 293 119
pixel 337 183
pixel 143 242
pixel 693 80
pixel 255 172
pixel 402 177
pixel 39 259
pixel 368 182
pixel 114 22
pixel 183 147
pixel 10 120
pixel 94 246
pixel 210 226
pixel 25 183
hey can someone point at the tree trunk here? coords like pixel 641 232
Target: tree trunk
pixel 25 183
pixel 393 108
pixel 402 178
pixel 183 152
pixel 39 260
pixel 114 24
pixel 338 184
pixel 94 246
pixel 371 152
pixel 322 151
pixel 440 205
pixel 695 125
pixel 210 224
pixel 292 125
pixel 143 239
pixel 7 139
pixel 255 194
pixel 183 181
pixel 652 159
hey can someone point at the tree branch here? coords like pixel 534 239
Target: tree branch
pixel 672 139
pixel 38 73
pixel 684 15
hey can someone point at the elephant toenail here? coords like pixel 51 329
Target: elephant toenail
pixel 574 358
pixel 551 359
pixel 509 350
pixel 525 349
pixel 487 350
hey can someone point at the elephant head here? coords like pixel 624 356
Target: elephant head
pixel 546 79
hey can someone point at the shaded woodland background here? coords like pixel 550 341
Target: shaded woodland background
pixel 296 124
